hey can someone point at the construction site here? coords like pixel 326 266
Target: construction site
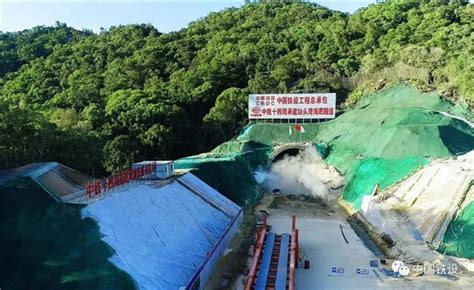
pixel 380 197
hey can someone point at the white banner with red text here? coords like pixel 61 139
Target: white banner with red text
pixel 292 106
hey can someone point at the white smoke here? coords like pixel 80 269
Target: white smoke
pixel 303 174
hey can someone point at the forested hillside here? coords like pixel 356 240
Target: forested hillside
pixel 99 101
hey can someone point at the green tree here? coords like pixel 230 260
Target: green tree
pixel 132 93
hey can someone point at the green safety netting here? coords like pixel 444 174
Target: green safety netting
pixel 459 237
pixel 389 135
pixel 49 241
pixel 272 134
pixel 370 171
pixel 230 176
pixel 229 168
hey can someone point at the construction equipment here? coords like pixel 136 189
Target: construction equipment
pixel 274 260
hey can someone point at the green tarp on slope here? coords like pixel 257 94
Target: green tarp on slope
pixel 230 176
pixel 370 171
pixel 459 237
pixel 46 245
pixel 229 168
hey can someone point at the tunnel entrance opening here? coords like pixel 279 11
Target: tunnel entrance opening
pixel 287 152
pixel 290 149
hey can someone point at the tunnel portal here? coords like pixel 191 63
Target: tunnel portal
pixel 291 149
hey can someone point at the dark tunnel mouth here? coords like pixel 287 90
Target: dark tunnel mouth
pixel 289 152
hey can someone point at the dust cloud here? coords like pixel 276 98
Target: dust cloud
pixel 303 174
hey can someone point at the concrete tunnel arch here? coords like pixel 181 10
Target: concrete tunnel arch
pixel 291 149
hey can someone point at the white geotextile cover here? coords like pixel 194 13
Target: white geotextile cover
pixel 160 235
pixel 218 199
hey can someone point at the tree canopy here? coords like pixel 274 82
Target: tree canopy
pixel 98 102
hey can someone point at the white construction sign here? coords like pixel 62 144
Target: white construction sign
pixel 292 106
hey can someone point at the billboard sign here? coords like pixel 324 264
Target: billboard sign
pixel 292 106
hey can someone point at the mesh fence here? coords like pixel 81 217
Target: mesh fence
pixel 55 183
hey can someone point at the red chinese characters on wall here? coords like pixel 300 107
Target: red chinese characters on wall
pixel 300 100
pixel 102 185
pixel 297 111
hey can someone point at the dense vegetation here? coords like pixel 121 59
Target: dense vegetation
pixel 99 101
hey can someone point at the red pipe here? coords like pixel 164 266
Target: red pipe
pixel 258 238
pixel 293 253
pixel 258 253
pixel 297 233
pixel 293 248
